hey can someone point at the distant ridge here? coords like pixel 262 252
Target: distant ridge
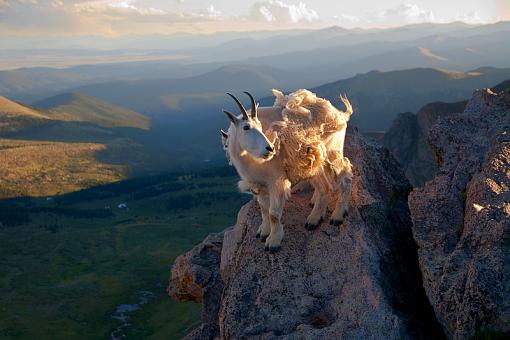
pixel 81 108
pixel 378 96
pixel 504 86
pixel 191 94
pixel 15 116
pixel 13 109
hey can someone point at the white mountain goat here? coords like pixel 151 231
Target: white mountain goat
pixel 301 137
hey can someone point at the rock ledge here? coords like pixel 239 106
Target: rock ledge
pixel 359 280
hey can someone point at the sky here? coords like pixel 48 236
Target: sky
pixel 113 18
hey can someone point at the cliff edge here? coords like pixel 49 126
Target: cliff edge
pixel 359 280
pixel 462 220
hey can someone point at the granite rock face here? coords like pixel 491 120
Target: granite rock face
pixel 407 140
pixel 358 280
pixel 195 277
pixel 462 219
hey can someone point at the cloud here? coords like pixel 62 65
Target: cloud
pixel 120 6
pixel 470 18
pixel 405 14
pixel 400 15
pixel 31 15
pixel 212 12
pixel 275 11
pixel 120 17
pixel 99 17
pixel 5 4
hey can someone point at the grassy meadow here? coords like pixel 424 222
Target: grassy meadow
pixel 68 262
pixel 39 168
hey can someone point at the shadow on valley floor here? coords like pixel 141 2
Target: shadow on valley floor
pixel 94 263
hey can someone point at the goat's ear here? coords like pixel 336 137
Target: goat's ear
pixel 224 139
pixel 231 116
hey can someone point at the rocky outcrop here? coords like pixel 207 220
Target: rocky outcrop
pixel 462 220
pixel 359 280
pixel 196 277
pixel 407 140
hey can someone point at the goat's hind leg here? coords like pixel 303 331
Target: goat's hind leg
pixel 344 184
pixel 320 205
pixel 302 186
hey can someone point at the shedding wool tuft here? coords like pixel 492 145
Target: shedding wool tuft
pixel 307 124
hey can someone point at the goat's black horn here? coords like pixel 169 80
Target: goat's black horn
pixel 253 105
pixel 241 107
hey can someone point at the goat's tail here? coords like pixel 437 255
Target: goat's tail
pixel 348 107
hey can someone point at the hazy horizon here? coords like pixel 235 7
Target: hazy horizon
pixel 117 18
pixel 183 47
pixel 66 33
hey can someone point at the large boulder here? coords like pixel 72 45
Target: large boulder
pixel 462 219
pixel 359 280
pixel 196 277
pixel 407 140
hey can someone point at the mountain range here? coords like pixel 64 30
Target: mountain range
pixel 377 96
pixel 180 118
pixel 315 57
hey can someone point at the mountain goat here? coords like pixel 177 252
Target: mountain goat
pixel 301 137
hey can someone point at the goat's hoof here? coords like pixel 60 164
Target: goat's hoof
pixel 345 214
pixel 260 236
pixel 271 249
pixel 336 223
pixel 274 249
pixel 311 226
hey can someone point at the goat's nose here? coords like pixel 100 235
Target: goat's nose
pixel 269 148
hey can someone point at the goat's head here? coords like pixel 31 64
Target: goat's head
pixel 247 131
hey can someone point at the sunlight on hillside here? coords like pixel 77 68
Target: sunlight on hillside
pixel 34 168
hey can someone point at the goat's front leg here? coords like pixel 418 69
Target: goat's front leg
pixel 320 205
pixel 265 227
pixel 344 182
pixel 277 197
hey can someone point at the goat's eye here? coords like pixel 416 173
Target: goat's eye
pixel 246 127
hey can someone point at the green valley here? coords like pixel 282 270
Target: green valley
pixel 68 262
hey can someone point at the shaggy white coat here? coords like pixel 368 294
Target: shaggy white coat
pixel 307 134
